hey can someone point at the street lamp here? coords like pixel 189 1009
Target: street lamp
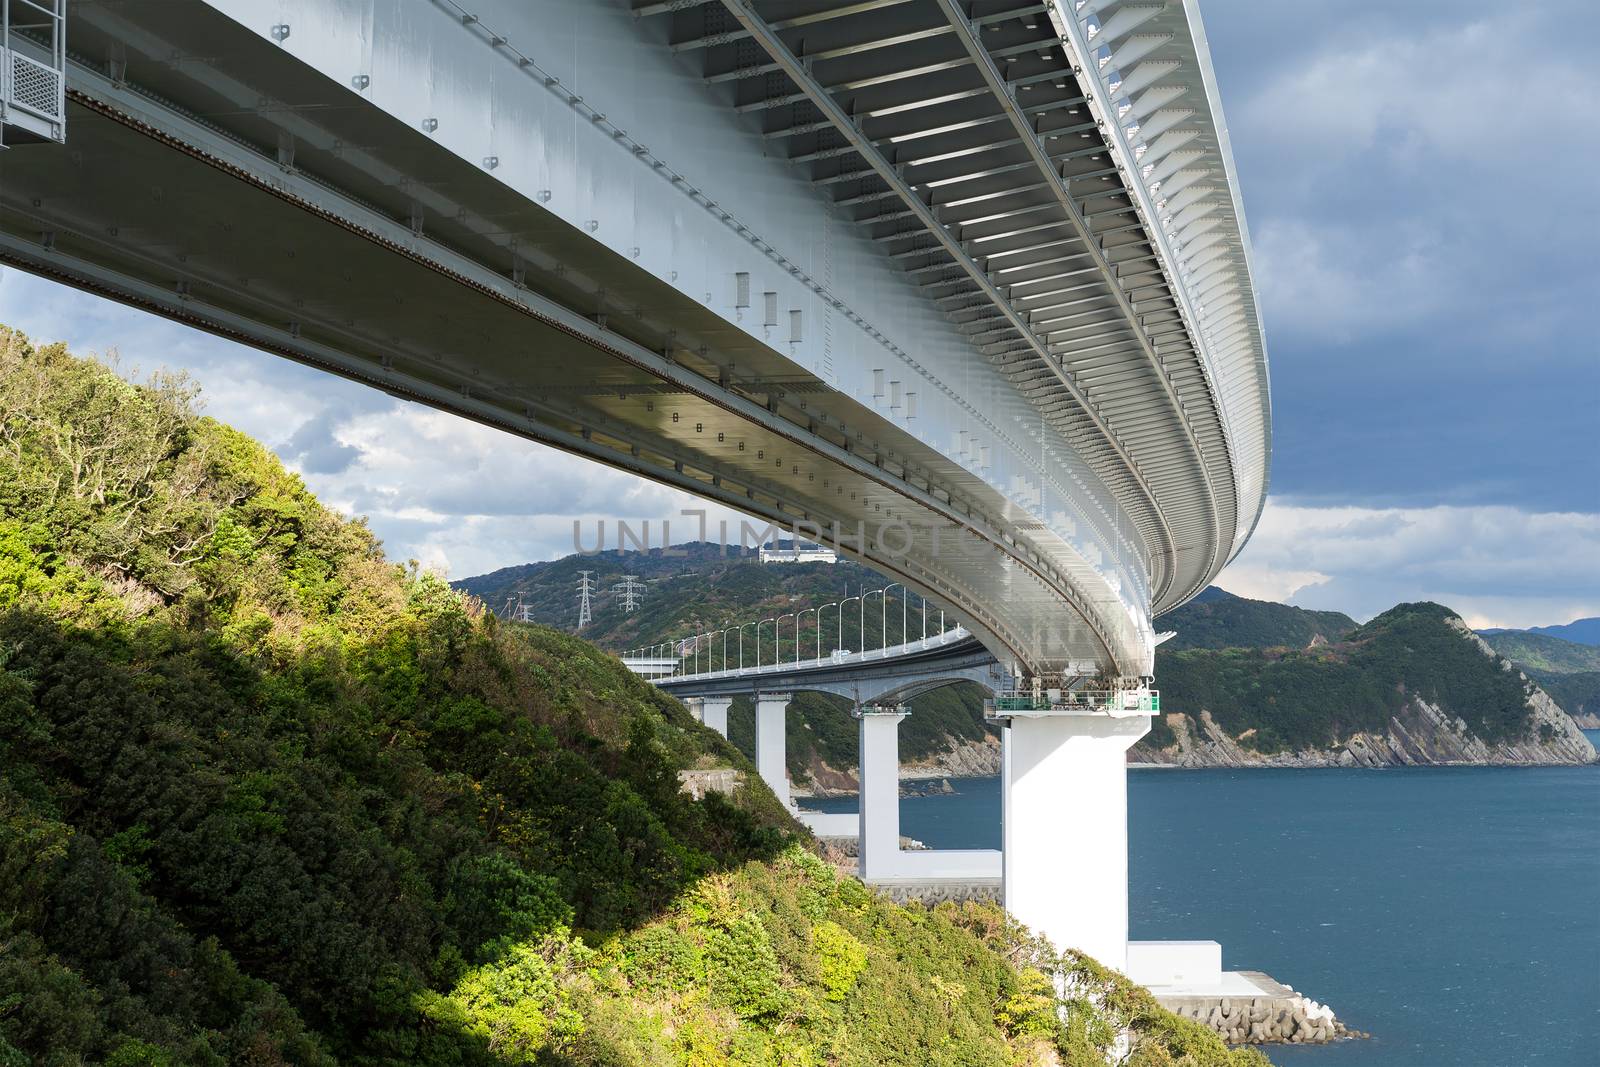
pixel 842 603
pixel 798 620
pixel 820 610
pixel 777 645
pixel 881 634
pixel 885 608
pixel 758 639
pixel 742 626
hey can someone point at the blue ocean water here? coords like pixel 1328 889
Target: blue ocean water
pixel 1452 912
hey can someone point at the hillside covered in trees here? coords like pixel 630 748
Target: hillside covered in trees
pixel 1218 619
pixel 1244 680
pixel 1567 670
pixel 1414 685
pixel 268 798
pixel 701 587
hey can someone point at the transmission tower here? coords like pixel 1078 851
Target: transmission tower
pixel 585 591
pixel 524 612
pixel 630 591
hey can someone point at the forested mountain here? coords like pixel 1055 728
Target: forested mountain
pixel 1414 685
pixel 1578 631
pixel 266 798
pixel 1218 619
pixel 1567 670
pixel 1274 681
pixel 1541 652
pixel 702 587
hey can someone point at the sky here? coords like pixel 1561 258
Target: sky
pixel 1419 181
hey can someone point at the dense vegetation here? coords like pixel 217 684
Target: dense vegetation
pixel 1576 692
pixel 1312 698
pixel 1218 619
pixel 267 798
pixel 1542 653
pixel 1569 672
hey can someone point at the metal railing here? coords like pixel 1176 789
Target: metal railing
pixel 1080 701
pixel 709 651
pixel 33 66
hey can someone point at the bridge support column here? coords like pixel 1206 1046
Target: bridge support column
pixel 714 713
pixel 1064 788
pixel 879 757
pixel 770 751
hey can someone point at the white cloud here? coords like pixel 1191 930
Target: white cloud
pixel 465 498
pixel 1496 566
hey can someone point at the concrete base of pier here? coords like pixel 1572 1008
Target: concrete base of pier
pixel 1243 1007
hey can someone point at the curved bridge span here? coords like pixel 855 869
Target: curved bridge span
pixel 959 287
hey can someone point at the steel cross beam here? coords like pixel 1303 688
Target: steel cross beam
pixel 996 81
pixel 799 72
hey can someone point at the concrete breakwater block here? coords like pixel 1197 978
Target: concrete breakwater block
pixel 1249 1007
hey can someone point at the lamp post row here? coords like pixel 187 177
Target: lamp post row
pixel 689 647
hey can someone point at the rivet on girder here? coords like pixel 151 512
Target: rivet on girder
pixel 280 32
pixel 360 81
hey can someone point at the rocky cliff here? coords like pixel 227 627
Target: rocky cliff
pixel 1423 730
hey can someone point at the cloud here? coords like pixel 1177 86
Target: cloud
pixel 463 498
pixel 1383 166
pixel 315 447
pixel 1497 566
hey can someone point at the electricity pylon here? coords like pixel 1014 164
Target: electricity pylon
pixel 585 591
pixel 630 591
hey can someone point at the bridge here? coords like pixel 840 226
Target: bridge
pixel 960 288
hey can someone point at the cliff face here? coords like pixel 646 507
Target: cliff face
pixel 1422 732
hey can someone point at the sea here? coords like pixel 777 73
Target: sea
pixel 1451 912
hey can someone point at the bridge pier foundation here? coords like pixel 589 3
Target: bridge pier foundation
pixel 771 764
pixel 1064 788
pixel 879 759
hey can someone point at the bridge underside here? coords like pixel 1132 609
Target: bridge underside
pixel 278 212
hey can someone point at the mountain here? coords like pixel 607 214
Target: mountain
pixel 698 587
pixel 1218 619
pixel 702 587
pixel 1542 652
pixel 1243 681
pixel 1413 686
pixel 1578 631
pixel 1568 671
pixel 267 798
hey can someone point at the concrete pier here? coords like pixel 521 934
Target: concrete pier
pixel 879 758
pixel 1064 789
pixel 771 710
pixel 714 713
